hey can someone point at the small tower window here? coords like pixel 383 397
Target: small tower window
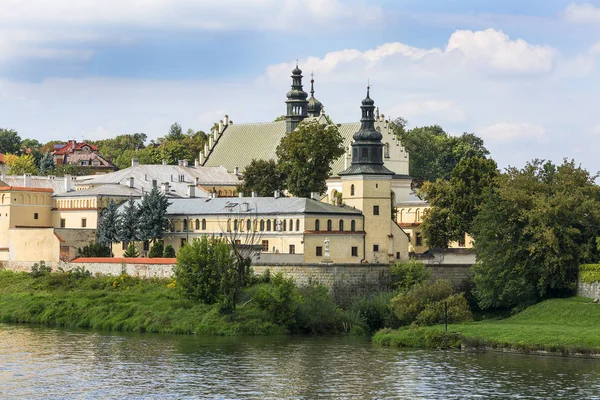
pixel 329 225
pixel 317 225
pixel 353 225
pixel 352 190
pixel 248 225
pixel 203 224
pixel 341 225
pixel 297 225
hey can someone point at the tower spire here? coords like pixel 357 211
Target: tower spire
pixel 314 106
pixel 296 101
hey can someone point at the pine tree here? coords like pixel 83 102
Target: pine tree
pixel 108 228
pixel 131 251
pixel 46 164
pixel 129 223
pixel 153 221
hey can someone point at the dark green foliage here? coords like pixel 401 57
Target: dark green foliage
pixel 533 232
pixel 109 226
pixel 305 157
pixel 129 222
pixel 156 250
pixel 10 141
pixel 94 249
pixel 262 177
pixel 70 169
pixel 435 313
pixel 409 273
pixel 169 252
pixel 279 300
pixel 131 251
pixel 317 312
pixel 589 273
pixel 375 311
pixel 206 271
pixel 40 269
pixel 46 164
pixel 153 221
pixel 415 337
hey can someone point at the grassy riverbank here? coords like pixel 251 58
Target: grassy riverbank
pixel 569 325
pixel 120 304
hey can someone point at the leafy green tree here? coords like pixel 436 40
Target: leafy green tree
pixel 175 132
pixel 305 157
pixel 131 251
pixel 46 164
pixel 206 272
pixel 262 177
pixel 456 203
pixel 153 221
pixel 157 250
pixel 94 249
pixel 109 225
pixel 122 148
pixel 169 251
pixel 532 233
pixel 18 165
pixel 171 151
pixel 129 222
pixel 70 169
pixel 10 141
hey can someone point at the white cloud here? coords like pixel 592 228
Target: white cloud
pixel 506 132
pixel 584 13
pixel 437 111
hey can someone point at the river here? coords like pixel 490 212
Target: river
pixel 54 364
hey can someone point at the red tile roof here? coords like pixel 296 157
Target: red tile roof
pixel 71 146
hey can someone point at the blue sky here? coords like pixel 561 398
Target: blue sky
pixel 521 74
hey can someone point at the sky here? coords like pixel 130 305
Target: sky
pixel 522 74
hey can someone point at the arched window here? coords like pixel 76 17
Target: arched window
pixel 203 224
pixel 284 228
pixel 297 225
pixel 254 225
pixel 197 227
pixel 329 225
pixel 268 225
pixel 341 224
pixel 185 225
pixel 351 190
pixel 317 225
pixel 249 225
pixel 353 225
pixel 235 225
pixel 228 225
pixel 262 225
pixel 291 224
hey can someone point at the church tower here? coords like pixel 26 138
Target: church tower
pixel 366 185
pixel 297 105
pixel 314 105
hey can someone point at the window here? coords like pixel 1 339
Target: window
pixel 96 163
pixel 197 226
pixel 35 215
pixel 249 225
pixel 237 242
pixel 63 222
pixel 341 225
pixel 84 163
pixel 83 222
pixel 183 242
pixel 375 210
pixel 284 225
pixel 317 225
pixel 297 225
pixel 386 150
pixel 203 224
pixel 292 249
pixel 185 225
pixel 329 225
pixel 235 225
pixel 291 224
pixel 146 245
pixel 319 251
pixel 354 251
pixel 397 255
pixel 154 183
pixel 262 225
pixel 268 225
pixel 265 245
pixel 124 245
pixel 419 239
pixel 353 225
pixel 352 190
pixel 375 248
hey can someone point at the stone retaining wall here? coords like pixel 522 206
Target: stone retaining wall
pixel 591 290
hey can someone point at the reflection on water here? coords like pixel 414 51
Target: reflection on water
pixel 47 363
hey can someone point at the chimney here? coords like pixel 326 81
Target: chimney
pixel 180 163
pixel 165 187
pixel 241 194
pixel 27 180
pixel 196 181
pixel 236 170
pixel 315 196
pixel 254 194
pixel 185 163
pixel 164 162
pixel 130 183
pixel 226 120
pixel 221 127
pixel 67 183
pixel 191 191
pixel 276 194
pixel 135 162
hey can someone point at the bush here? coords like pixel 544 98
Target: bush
pixel 589 273
pixel 418 338
pixel 435 313
pixel 169 252
pixel 408 305
pixel 410 273
pixel 131 251
pixel 40 269
pixel 279 300
pixel 317 311
pixel 375 310
pixel 157 250
pixel 94 249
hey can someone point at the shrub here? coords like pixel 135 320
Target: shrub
pixel 589 273
pixel 40 269
pixel 375 310
pixel 317 311
pixel 410 273
pixel 94 249
pixel 79 273
pixel 279 300
pixel 157 250
pixel 131 251
pixel 169 251
pixel 434 313
pixel 408 305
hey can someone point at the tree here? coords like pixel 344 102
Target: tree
pixel 262 177
pixel 305 157
pixel 157 250
pixel 532 233
pixel 18 165
pixel 169 251
pixel 109 226
pixel 456 203
pixel 129 224
pixel 206 272
pixel 10 141
pixel 131 251
pixel 46 164
pixel 153 221
pixel 175 132
pixel 70 169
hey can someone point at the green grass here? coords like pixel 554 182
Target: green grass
pixel 569 325
pixel 119 304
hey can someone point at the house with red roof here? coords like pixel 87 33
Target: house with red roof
pixel 82 154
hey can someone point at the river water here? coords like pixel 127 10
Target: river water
pixel 53 364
